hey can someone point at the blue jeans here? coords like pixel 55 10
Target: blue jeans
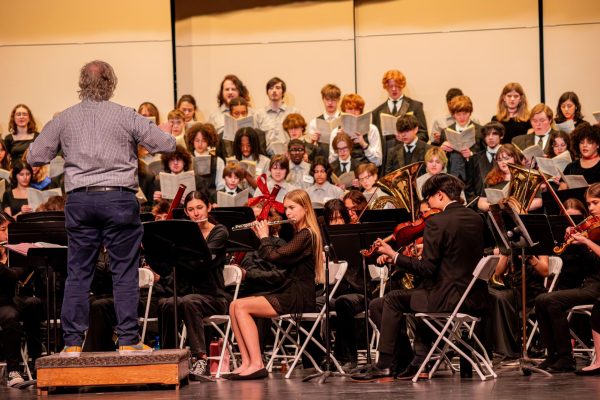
pixel 94 219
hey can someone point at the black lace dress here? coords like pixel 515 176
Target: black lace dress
pixel 297 293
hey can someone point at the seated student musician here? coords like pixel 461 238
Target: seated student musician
pixel 270 118
pixel 541 120
pixel 513 111
pixel 238 109
pixel 299 175
pixel 397 104
pixel 445 121
pixel 20 313
pixel 295 126
pixel 200 138
pixel 452 247
pixel 459 160
pixel 200 289
pixel 366 148
pixel 551 308
pixel 355 203
pixel 484 160
pixel 342 147
pixel 175 163
pixel 330 95
pixel 408 148
pixel 15 200
pixel 500 175
pixel 160 210
pixel 586 143
pixel 279 168
pixel 322 190
pixel 302 256
pixel 246 146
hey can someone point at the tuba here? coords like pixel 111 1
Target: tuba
pixel 402 184
pixel 523 186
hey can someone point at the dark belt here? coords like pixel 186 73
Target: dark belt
pixel 102 189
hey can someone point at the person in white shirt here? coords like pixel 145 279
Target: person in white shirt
pixel 322 190
pixel 201 138
pixel 279 169
pixel 330 95
pixel 365 148
pixel 299 169
pixel 270 118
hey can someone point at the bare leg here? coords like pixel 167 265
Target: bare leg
pixel 245 310
pixel 240 340
pixel 596 363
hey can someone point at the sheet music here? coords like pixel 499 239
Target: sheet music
pixel 231 125
pixel 352 124
pixel 388 124
pixel 325 128
pixel 4 174
pixel 462 140
pixel 345 179
pixel 568 126
pixel 237 200
pixel 36 197
pixel 57 167
pixel 494 196
pixel 169 183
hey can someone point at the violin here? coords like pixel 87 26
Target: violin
pixel 404 233
pixel 589 227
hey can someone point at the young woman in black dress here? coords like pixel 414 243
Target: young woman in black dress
pixel 303 257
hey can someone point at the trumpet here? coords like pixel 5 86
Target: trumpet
pixel 251 225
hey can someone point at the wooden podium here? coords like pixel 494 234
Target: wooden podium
pixel 165 367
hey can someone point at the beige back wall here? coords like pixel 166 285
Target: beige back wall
pixel 45 47
pixel 478 46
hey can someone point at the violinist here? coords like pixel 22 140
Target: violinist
pixel 551 308
pixel 200 289
pixel 452 247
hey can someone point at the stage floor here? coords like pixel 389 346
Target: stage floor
pixel 509 385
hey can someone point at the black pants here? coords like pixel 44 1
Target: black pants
pixel 28 310
pixel 551 311
pixel 346 307
pixel 394 339
pixel 192 308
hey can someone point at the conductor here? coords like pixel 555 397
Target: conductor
pixel 99 141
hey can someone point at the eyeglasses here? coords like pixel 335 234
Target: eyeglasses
pixel 364 178
pixel 342 149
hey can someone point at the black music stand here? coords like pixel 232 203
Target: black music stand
pixel 395 215
pixel 172 245
pixel 532 235
pixel 344 239
pixel 51 259
pixel 550 205
pixel 240 240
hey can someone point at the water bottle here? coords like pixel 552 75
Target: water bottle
pixel 156 343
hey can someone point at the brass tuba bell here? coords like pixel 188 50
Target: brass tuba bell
pixel 523 186
pixel 402 185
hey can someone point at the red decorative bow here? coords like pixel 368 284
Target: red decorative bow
pixel 268 199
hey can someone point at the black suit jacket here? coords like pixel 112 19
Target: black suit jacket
pixel 524 141
pixel 396 156
pixel 408 106
pixel 479 168
pixel 336 168
pixel 452 247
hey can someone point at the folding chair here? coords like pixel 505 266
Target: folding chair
pixel 339 270
pixel 146 281
pixel 452 326
pixel 232 275
pixel 378 274
pixel 554 268
pixel 580 346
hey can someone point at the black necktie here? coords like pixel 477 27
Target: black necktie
pixel 344 167
pixel 540 142
pixel 491 156
pixel 409 148
pixel 394 109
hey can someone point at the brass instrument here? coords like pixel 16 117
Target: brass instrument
pixel 251 225
pixel 402 185
pixel 523 186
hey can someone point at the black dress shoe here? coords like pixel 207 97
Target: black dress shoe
pixel 373 374
pixel 348 366
pixel 260 374
pixel 589 372
pixel 228 375
pixel 563 364
pixel 548 362
pixel 411 371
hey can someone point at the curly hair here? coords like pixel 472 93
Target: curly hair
pixel 239 85
pixel 180 153
pixel 207 131
pixel 354 101
pixel 97 81
pixel 12 125
pixel 393 75
pixel 294 120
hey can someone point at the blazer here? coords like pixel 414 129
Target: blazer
pixel 452 246
pixel 395 157
pixel 479 168
pixel 524 141
pixel 336 168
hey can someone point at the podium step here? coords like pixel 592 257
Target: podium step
pixel 165 367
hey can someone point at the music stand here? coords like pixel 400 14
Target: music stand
pixel 395 215
pixel 550 205
pixel 520 235
pixel 175 244
pixel 343 238
pixel 51 259
pixel 240 240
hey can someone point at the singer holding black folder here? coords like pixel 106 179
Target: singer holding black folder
pixel 99 141
pixel 303 257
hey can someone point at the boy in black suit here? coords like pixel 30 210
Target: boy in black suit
pixel 484 160
pixel 452 247
pixel 409 147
